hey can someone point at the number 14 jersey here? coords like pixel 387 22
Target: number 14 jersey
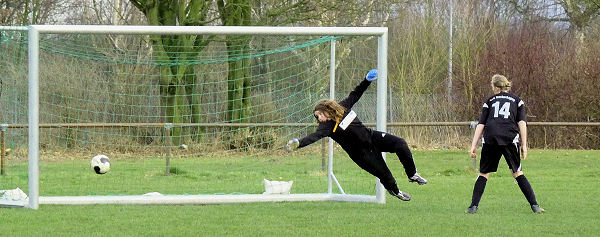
pixel 500 115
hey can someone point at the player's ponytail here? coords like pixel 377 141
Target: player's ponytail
pixel 332 108
pixel 501 82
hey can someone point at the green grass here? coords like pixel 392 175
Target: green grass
pixel 566 183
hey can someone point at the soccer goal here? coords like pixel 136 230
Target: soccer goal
pixel 186 114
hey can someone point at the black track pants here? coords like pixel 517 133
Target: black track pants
pixel 373 163
pixel 386 142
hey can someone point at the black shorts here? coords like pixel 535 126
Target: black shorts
pixel 490 157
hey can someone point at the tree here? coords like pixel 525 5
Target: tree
pixel 177 76
pixel 286 12
pixel 237 13
pixel 578 13
pixel 24 12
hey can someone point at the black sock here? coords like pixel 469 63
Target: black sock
pixel 478 190
pixel 394 191
pixel 390 186
pixel 526 189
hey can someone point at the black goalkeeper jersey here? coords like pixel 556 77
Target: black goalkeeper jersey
pixel 353 136
pixel 500 115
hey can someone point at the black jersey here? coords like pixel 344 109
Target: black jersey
pixel 500 115
pixel 351 134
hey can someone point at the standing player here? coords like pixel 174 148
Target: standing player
pixel 363 145
pixel 502 124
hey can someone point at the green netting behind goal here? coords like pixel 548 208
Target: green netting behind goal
pixel 179 114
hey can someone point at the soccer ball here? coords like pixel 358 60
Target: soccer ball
pixel 100 164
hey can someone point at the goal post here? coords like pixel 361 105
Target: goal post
pixel 156 124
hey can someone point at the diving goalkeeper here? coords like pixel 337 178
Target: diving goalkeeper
pixel 363 145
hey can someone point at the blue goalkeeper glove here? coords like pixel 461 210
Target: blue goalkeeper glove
pixel 372 75
pixel 292 145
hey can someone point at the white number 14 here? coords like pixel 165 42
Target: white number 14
pixel 504 111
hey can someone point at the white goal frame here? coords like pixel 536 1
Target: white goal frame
pixel 34 32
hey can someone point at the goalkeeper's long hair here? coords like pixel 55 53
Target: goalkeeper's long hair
pixel 332 108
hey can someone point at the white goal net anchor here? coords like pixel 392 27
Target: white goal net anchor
pixel 13 197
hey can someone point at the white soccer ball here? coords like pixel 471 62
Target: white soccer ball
pixel 100 164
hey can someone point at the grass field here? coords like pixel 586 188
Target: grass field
pixel 566 183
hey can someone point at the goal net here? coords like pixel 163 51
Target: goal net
pixel 186 115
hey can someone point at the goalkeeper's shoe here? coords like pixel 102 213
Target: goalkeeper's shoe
pixel 417 178
pixel 537 209
pixel 400 195
pixel 472 210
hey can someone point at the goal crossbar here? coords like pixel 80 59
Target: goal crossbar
pixel 210 30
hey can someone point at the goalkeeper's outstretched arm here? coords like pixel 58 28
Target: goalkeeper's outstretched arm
pixel 329 124
pixel 355 95
pixel 323 130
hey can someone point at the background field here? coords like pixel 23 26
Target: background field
pixel 565 182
